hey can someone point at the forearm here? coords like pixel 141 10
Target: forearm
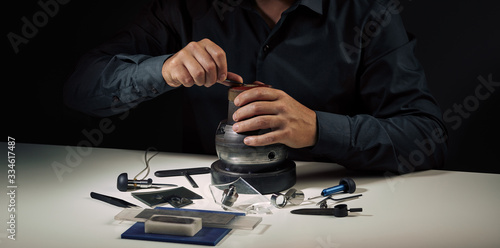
pixel 105 85
pixel 127 69
pixel 399 144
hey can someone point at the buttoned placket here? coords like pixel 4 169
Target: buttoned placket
pixel 267 45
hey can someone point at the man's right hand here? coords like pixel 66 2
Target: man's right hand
pixel 201 63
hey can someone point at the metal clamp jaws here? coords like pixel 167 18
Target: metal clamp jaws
pixel 292 196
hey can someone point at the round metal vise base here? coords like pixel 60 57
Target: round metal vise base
pixel 279 178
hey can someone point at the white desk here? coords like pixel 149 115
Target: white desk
pixel 423 209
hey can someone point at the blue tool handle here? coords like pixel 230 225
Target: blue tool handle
pixel 332 190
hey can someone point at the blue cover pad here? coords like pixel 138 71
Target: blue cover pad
pixel 206 236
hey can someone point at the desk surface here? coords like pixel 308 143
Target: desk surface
pixel 423 209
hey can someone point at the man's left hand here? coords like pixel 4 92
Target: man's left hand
pixel 292 123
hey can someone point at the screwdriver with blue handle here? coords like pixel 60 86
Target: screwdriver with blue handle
pixel 346 185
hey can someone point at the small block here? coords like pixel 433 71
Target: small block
pixel 173 225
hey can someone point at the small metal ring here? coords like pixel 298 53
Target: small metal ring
pixel 292 196
pixel 277 201
pixel 229 196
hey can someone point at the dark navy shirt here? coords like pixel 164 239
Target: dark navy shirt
pixel 351 61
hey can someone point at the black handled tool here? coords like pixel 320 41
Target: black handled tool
pixel 123 183
pixel 337 211
pixel 184 172
pixel 112 200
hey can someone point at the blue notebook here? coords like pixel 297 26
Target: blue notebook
pixel 206 236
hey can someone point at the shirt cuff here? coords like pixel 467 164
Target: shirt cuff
pixel 149 75
pixel 334 135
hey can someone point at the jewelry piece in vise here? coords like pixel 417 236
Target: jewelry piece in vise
pixel 292 196
pixel 229 196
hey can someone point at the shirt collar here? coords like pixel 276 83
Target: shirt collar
pixel 314 5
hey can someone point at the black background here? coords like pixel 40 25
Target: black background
pixel 457 43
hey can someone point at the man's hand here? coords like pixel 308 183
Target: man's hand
pixel 201 63
pixel 291 123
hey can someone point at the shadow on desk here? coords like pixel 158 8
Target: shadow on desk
pixel 310 172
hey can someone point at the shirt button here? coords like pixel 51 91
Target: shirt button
pixel 266 48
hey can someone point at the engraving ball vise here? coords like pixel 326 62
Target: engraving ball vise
pixel 266 168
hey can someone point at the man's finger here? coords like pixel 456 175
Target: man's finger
pixel 257 94
pixel 219 57
pixel 233 76
pixel 209 66
pixel 180 77
pixel 255 109
pixel 195 71
pixel 257 123
pixel 264 139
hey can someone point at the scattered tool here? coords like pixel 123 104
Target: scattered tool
pixel 178 197
pixel 337 211
pixel 292 196
pixel 123 183
pixel 184 172
pixel 323 203
pixel 229 196
pixel 112 200
pixel 231 83
pixel 346 185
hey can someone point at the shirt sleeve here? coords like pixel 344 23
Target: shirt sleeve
pixel 125 71
pixel 401 130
